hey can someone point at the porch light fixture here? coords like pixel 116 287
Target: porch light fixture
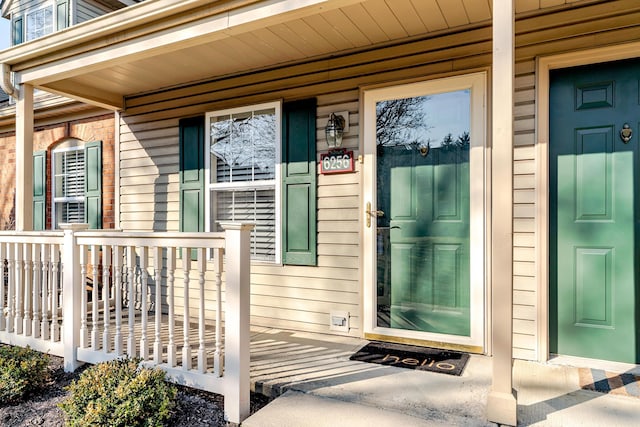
pixel 335 130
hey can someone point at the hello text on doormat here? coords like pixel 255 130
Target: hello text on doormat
pixel 413 357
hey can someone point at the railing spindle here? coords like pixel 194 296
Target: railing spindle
pixel 217 355
pixel 3 278
pixel 55 282
pixel 171 270
pixel 27 283
pixel 106 266
pixel 186 347
pixel 131 262
pixel 144 265
pixel 11 288
pixel 84 332
pixel 36 289
pixel 95 303
pixel 18 289
pixel 46 290
pixel 117 285
pixel 202 354
pixel 157 343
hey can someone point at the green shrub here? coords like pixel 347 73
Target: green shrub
pixel 22 371
pixel 119 393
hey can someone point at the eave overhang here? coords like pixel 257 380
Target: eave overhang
pixel 152 31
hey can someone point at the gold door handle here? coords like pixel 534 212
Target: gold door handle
pixel 371 213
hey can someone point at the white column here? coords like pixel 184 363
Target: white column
pixel 501 404
pixel 237 339
pixel 24 159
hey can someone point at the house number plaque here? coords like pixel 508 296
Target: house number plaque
pixel 337 161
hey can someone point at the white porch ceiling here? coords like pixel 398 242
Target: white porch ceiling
pixel 157 44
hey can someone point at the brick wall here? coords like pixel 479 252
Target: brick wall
pixel 100 128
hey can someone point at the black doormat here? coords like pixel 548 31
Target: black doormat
pixel 413 357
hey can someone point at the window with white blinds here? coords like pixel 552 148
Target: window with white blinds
pixel 68 192
pixel 242 174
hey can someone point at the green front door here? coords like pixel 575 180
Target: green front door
pixel 594 214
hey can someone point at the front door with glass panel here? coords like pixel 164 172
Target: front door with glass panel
pixel 425 211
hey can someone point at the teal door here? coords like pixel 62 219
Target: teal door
pixel 594 211
pixel 423 203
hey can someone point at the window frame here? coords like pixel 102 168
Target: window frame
pixel 55 153
pixel 274 183
pixel 48 5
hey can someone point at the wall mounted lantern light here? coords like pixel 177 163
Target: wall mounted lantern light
pixel 335 130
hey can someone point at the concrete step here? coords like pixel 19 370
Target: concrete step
pixel 298 409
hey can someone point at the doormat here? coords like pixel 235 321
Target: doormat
pixel 608 382
pixel 412 357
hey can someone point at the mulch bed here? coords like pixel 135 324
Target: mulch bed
pixel 194 408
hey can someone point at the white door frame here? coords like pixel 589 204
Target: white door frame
pixel 543 67
pixel 477 82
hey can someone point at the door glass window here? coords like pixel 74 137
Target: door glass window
pixel 423 227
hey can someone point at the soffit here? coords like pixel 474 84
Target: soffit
pixel 156 44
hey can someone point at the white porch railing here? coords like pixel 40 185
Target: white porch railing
pixel 92 296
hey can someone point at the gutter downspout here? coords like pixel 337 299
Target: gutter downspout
pixel 5 82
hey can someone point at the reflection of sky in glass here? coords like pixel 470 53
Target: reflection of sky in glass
pixel 447 113
pixel 424 120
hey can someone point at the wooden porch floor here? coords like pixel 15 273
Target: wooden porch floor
pixel 279 359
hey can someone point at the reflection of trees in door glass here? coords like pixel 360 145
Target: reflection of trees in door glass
pixel 424 122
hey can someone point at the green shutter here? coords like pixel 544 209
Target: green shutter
pixel 299 183
pixel 192 174
pixel 62 14
pixel 18 30
pixel 93 184
pixel 39 190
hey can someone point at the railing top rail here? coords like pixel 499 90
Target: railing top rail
pixel 151 238
pixel 32 237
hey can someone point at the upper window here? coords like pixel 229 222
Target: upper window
pixel 243 151
pixel 39 23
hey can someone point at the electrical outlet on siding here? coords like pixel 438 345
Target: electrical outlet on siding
pixel 339 321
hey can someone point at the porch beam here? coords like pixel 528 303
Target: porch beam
pixel 501 404
pixel 24 158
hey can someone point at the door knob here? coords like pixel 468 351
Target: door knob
pixel 371 213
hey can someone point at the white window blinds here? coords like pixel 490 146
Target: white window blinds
pixel 69 186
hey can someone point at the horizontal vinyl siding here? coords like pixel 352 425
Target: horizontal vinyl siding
pixel 86 10
pixel 524 254
pixel 302 297
pixel 149 176
pixel 19 7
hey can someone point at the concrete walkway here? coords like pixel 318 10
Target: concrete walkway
pixel 318 385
